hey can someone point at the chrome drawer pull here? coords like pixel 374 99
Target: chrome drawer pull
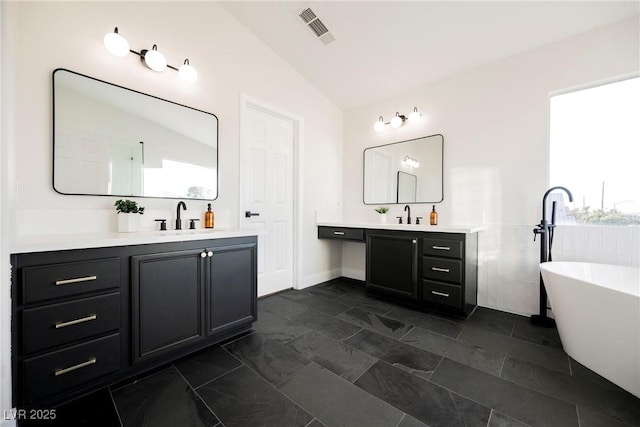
pixel 441 248
pixel 76 321
pixel 443 270
pixel 91 361
pixel 440 294
pixel 76 280
pixel 338 233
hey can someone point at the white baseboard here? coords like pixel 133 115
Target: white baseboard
pixel 353 273
pixel 319 278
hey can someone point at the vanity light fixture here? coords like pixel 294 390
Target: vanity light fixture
pixel 151 58
pixel 411 162
pixel 397 121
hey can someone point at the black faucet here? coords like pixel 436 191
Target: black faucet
pixel 178 219
pixel 408 208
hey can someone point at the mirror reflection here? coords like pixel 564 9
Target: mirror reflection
pixel 109 140
pixel 404 172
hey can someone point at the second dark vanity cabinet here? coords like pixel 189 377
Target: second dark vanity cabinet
pixel 434 270
pixel 392 264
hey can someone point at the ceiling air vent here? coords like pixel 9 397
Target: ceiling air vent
pixel 314 23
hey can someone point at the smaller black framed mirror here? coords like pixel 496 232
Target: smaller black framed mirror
pixel 404 172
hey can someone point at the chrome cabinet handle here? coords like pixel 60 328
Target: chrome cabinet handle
pixel 441 248
pixel 76 280
pixel 76 321
pixel 91 361
pixel 440 294
pixel 443 270
pixel 338 233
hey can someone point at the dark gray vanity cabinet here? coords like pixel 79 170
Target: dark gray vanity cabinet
pixel 429 269
pixel 392 264
pixel 167 296
pixel 84 319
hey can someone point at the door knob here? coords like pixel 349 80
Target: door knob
pixel 249 214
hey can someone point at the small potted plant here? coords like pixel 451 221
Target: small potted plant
pixel 382 210
pixel 128 221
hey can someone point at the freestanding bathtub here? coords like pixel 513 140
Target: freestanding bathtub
pixel 597 312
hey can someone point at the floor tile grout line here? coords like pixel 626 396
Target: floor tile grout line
pixel 219 376
pixel 352 335
pixel 365 371
pixel 401 419
pixel 504 361
pixel 199 396
pixel 115 406
pixel 490 415
pixel 406 333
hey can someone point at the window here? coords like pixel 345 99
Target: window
pixel 595 151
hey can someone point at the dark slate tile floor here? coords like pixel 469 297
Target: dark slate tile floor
pixel 331 356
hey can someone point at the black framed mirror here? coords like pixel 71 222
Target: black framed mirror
pixel 109 140
pixel 404 172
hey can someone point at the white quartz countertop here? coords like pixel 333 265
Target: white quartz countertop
pixel 28 244
pixel 466 229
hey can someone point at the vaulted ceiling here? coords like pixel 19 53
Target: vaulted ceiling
pixel 385 47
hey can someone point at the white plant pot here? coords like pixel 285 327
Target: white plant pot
pixel 382 218
pixel 128 222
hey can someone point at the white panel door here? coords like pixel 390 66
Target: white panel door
pixel 267 193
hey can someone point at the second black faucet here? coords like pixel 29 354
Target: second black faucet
pixel 408 208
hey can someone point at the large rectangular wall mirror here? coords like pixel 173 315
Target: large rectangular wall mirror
pixel 112 141
pixel 404 172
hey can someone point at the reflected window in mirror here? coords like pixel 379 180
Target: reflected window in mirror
pixel 390 178
pixel 112 141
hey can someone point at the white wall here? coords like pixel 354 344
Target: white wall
pixel 230 61
pixel 495 125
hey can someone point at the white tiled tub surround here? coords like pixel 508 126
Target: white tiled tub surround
pixel 508 258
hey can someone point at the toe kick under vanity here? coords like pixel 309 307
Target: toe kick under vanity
pixel 431 267
pixel 99 310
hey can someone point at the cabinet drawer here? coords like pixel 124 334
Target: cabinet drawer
pixel 59 370
pixel 442 293
pixel 442 248
pixel 341 233
pixel 447 270
pixel 58 324
pixel 66 279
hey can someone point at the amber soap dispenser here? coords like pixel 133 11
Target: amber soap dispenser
pixel 433 216
pixel 208 217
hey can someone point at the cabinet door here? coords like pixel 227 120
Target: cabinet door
pixel 392 264
pixel 168 301
pixel 231 288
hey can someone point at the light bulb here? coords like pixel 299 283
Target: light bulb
pixel 187 72
pixel 379 125
pixel 396 122
pixel 116 44
pixel 155 60
pixel 415 116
